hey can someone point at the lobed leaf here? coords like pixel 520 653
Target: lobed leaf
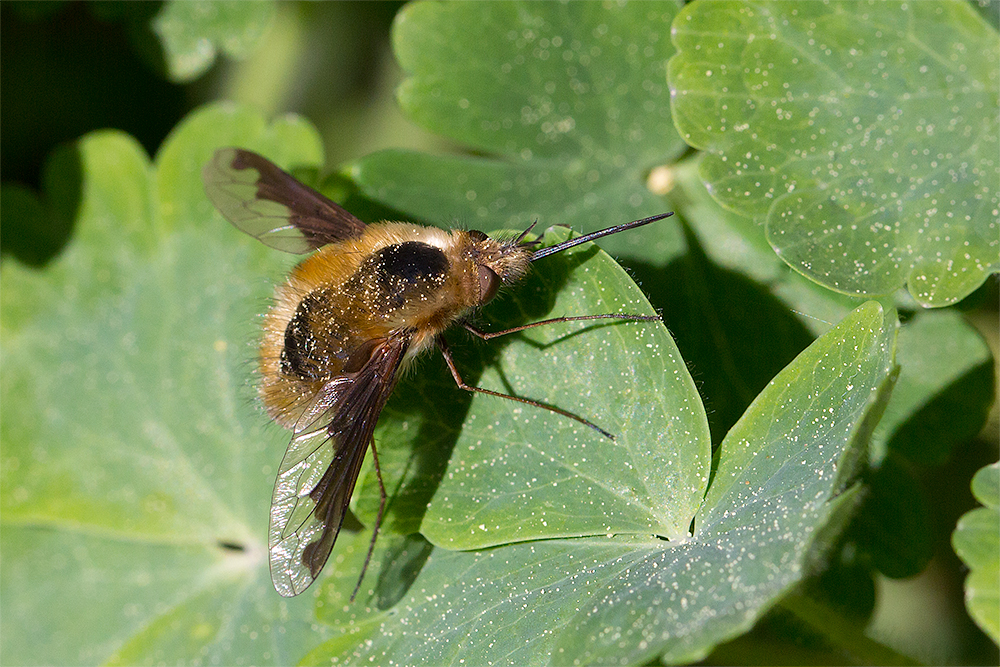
pixel 977 542
pixel 565 103
pixel 628 599
pixel 517 472
pixel 132 460
pixel 864 135
pixel 135 473
pixel 193 33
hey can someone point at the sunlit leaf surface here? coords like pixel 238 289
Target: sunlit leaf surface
pixel 865 136
pixel 135 470
pixel 630 598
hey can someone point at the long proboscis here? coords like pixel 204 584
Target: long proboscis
pixel 559 247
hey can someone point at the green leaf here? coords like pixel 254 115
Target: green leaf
pixel 629 599
pixel 738 313
pixel 193 33
pixel 396 562
pixel 863 135
pixel 131 454
pixel 941 399
pixel 851 365
pixel 739 244
pixel 128 427
pixel 519 472
pixel 568 103
pixel 977 542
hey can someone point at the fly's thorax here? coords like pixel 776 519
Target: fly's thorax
pixel 394 277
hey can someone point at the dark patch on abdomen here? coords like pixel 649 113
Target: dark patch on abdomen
pixel 304 356
pixel 300 345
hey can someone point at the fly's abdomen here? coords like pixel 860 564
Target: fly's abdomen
pixel 330 323
pixel 315 341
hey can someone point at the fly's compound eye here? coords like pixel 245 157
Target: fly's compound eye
pixel 489 282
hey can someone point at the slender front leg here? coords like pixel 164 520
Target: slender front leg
pixel 486 335
pixel 446 353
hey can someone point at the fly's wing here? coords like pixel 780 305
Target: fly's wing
pixel 320 468
pixel 271 206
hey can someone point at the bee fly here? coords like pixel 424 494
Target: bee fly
pixel 342 327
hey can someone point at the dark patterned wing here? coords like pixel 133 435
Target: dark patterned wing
pixel 271 206
pixel 320 468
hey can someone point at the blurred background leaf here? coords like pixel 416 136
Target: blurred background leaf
pixel 192 33
pixel 977 541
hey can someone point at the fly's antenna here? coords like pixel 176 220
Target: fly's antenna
pixel 527 231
